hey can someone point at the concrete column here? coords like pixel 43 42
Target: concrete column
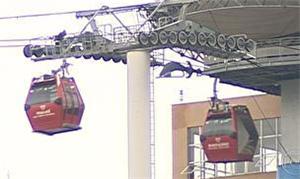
pixel 138 86
pixel 290 119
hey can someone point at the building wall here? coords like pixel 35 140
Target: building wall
pixel 193 114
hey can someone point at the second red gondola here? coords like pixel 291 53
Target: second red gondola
pixel 229 135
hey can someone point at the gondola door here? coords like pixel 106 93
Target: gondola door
pixel 43 106
pixel 219 137
pixel 247 134
pixel 73 104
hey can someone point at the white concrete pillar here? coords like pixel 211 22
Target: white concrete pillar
pixel 290 119
pixel 138 86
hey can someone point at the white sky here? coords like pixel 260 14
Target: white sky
pixel 99 150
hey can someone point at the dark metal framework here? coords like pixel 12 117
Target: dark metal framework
pixel 197 30
pixel 164 26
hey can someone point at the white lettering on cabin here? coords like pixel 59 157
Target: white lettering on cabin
pixel 216 146
pixel 44 113
pixel 43 107
pixel 218 139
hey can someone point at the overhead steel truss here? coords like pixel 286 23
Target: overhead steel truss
pixel 165 31
pixel 167 25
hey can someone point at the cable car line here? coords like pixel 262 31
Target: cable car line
pixel 22 39
pixel 41 38
pixel 6 43
pixel 191 58
pixel 37 15
pixel 11 46
pixel 86 13
pixel 262 67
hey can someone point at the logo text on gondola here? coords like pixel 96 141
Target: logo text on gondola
pixel 216 146
pixel 43 113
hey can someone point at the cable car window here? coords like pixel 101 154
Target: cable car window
pixel 69 104
pixel 42 93
pixel 75 96
pixel 72 102
pixel 218 126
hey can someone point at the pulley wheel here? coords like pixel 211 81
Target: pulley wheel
pixel 163 37
pixel 231 42
pixel 153 38
pixel 77 56
pixel 202 39
pixel 27 51
pixel 211 40
pixel 106 58
pixel 173 38
pixel 38 52
pixel 124 61
pixel 96 56
pixel 192 38
pixel 143 39
pixel 250 45
pixel 182 37
pixel 221 40
pixel 116 59
pixel 87 56
pixel 76 49
pixel 240 43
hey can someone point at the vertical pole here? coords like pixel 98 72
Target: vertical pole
pixel 138 89
pixel 290 120
pixel 261 154
pixel 276 142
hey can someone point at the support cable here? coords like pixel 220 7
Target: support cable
pixel 123 25
pixel 11 46
pixel 88 12
pixel 141 26
pixel 23 39
pixel 191 58
pixel 37 15
pixel 151 15
pixel 273 131
pixel 81 32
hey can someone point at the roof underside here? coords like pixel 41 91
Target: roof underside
pixel 270 23
pixel 265 79
pixel 256 22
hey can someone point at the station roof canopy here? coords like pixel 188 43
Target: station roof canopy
pixel 259 19
pixel 273 24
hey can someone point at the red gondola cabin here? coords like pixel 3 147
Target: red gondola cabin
pixel 229 135
pixel 54 105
